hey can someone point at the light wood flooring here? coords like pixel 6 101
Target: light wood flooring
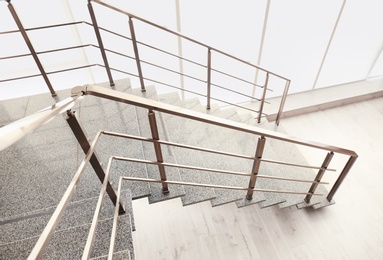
pixel 350 229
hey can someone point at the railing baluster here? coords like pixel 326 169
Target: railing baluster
pixel 157 148
pixel 263 98
pixel 319 176
pixel 341 177
pixel 100 43
pixel 137 56
pixel 282 104
pixel 256 165
pixel 30 47
pixel 208 78
pixel 94 161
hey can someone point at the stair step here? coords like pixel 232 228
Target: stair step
pixel 99 114
pixel 78 213
pixel 69 243
pixel 122 255
pixel 181 130
pixel 283 151
pixel 172 174
pixel 215 137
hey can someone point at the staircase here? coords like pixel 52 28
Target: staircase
pixel 36 171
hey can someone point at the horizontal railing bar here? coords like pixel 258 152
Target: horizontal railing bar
pixel 152 47
pixel 22 77
pixel 158 66
pixel 44 239
pixel 121 71
pixel 120 54
pixel 236 105
pixel 211 170
pixel 43 27
pixel 185 37
pixel 54 25
pixel 48 51
pixel 172 86
pixel 15 56
pixel 217 186
pixel 68 48
pixel 186 75
pixel 140 138
pixel 176 72
pixel 298 165
pixel 75 68
pixel 183 74
pixel 237 92
pixel 51 72
pixel 234 77
pixel 172 54
pixel 182 112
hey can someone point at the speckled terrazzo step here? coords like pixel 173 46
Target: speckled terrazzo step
pixel 78 213
pixel 172 174
pixel 122 255
pixel 181 130
pixel 69 243
pixel 217 138
pixel 70 237
pixel 97 114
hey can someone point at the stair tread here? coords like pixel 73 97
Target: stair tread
pixel 99 114
pixel 69 243
pixel 122 255
pixel 156 193
pixel 78 213
pixel 181 130
pixel 288 152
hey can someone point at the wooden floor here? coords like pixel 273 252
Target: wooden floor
pixel 350 229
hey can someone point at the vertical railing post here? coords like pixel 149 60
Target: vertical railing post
pixel 30 47
pixel 341 177
pixel 157 149
pixel 208 78
pixel 263 98
pixel 286 90
pixel 94 161
pixel 256 165
pixel 137 56
pixel 319 176
pixel 100 43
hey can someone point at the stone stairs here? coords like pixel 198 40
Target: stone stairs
pixel 36 171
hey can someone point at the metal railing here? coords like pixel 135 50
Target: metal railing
pixel 33 122
pixel 209 81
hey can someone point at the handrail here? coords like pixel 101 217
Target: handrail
pixel 205 118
